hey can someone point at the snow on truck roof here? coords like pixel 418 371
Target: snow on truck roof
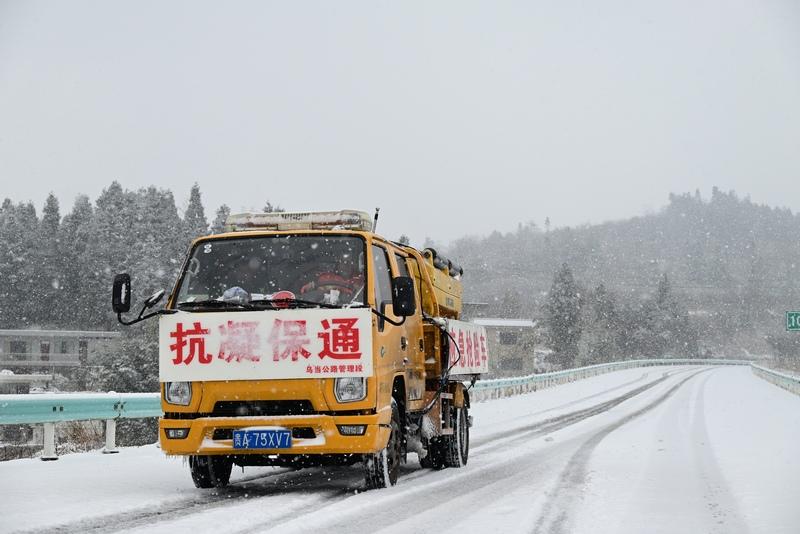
pixel 300 220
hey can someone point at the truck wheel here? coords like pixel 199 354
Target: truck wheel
pixel 435 458
pixel 210 471
pixel 456 447
pixel 381 469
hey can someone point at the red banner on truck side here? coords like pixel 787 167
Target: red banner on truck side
pixel 471 357
pixel 256 345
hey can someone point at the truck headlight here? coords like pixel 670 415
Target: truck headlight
pixel 178 393
pixel 350 389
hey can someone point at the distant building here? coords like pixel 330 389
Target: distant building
pixel 510 345
pixel 43 351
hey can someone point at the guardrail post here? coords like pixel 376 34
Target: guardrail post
pixel 111 437
pixel 49 452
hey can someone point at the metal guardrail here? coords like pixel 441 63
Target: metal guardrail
pixel 786 381
pixel 51 408
pixel 505 387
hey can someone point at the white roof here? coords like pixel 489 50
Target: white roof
pixel 518 323
pixel 23 379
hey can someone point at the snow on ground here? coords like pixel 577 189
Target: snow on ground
pixel 707 452
pixel 720 456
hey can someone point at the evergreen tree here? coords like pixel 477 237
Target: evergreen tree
pixel 48 266
pixel 194 219
pixel 130 365
pixel 159 244
pixel 664 292
pixel 8 265
pixel 598 343
pixel 78 231
pixel 562 316
pixel 115 215
pixel 753 302
pixel 113 234
pixel 511 305
pixel 786 346
pixel 272 208
pixel 671 333
pixel 218 226
pixel 20 277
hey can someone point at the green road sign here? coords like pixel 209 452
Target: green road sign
pixel 793 321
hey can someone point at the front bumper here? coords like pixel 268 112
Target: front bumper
pixel 211 435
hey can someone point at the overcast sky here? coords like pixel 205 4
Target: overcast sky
pixel 454 117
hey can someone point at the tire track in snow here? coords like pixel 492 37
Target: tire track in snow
pixel 556 511
pixel 584 399
pixel 719 499
pixel 556 423
pixel 240 491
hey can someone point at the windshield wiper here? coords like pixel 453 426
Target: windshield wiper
pixel 300 303
pixel 259 303
pixel 215 304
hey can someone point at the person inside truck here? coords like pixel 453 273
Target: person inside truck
pixel 341 282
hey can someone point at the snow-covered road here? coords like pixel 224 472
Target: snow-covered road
pixel 689 449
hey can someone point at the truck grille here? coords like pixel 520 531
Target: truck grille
pixel 262 408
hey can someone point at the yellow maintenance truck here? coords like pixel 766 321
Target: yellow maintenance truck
pixel 303 339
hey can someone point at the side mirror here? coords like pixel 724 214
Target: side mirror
pixel 404 303
pixel 154 299
pixel 121 293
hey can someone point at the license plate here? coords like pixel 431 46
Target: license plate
pixel 262 439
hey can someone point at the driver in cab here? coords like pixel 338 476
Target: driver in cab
pixel 341 283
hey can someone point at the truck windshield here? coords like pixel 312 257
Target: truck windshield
pixel 328 270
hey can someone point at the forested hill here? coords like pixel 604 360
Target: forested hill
pixel 731 263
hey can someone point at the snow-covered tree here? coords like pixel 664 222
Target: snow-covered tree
pixel 48 269
pixel 269 207
pixel 160 243
pixel 599 338
pixel 218 226
pixel 562 316
pixel 80 294
pixel 194 219
pixel 19 274
pixel 130 365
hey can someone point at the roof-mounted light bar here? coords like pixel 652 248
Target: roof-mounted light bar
pixel 300 220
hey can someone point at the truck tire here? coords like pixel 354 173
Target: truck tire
pixel 381 469
pixel 455 448
pixel 435 457
pixel 210 471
